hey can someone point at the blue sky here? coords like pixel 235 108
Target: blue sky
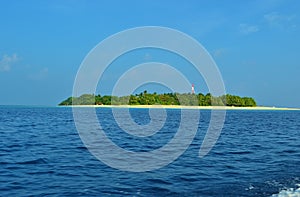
pixel 255 44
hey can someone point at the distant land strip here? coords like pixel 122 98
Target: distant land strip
pixel 165 99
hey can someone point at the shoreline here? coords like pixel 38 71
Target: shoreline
pixel 185 107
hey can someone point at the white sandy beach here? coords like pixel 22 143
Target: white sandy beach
pixel 187 107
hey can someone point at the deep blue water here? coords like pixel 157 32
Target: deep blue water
pixel 257 154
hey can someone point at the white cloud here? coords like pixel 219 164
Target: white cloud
pixel 7 61
pixel 275 19
pixel 248 29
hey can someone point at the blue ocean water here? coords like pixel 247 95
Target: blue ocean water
pixel 41 154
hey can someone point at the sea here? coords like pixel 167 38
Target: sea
pixel 42 154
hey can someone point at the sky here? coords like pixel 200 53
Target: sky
pixel 255 44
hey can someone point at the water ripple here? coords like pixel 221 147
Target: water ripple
pixel 41 154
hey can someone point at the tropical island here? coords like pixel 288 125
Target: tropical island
pixel 174 99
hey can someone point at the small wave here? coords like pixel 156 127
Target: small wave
pixel 290 151
pixel 240 152
pixel 81 148
pixel 159 181
pixel 291 192
pixel 288 193
pixel 41 172
pixel 35 161
pixel 11 146
pixel 154 190
pixel 26 125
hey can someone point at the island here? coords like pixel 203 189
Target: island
pixel 171 99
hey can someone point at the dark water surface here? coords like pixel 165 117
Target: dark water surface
pixel 257 154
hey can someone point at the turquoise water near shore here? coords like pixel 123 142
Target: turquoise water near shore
pixel 257 154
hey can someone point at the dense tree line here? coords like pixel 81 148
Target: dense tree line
pixel 146 98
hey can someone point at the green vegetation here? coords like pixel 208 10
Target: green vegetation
pixel 146 98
